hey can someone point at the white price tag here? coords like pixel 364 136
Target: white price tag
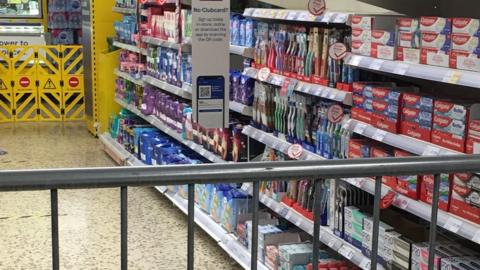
pixel 325 92
pixel 355 60
pixel 203 152
pixel 327 17
pixel 331 243
pixel 476 237
pixel 298 223
pixel 340 18
pixel 283 212
pixel 288 215
pixel 453 225
pixel 402 203
pixel 360 128
pixel 452 76
pixel 333 96
pixel 317 91
pixel 379 135
pixel 365 264
pixel 376 64
pixel 310 231
pixel 269 202
pixel 275 145
pixel 346 252
pixel 261 138
pixel 400 69
pixel 431 151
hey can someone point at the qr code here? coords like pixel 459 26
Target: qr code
pixel 205 91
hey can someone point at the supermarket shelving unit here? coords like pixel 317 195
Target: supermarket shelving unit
pixel 127 11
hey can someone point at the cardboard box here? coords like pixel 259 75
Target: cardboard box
pixel 362 35
pixel 387 109
pixel 362 115
pixel 416 131
pixel 386 52
pixel 363 103
pixel 418 102
pixel 467 26
pixel 407 25
pixel 387 95
pixel 448 140
pixel 445 190
pixel 386 123
pixel 359 148
pixel 408 55
pixel 473 143
pixel 463 111
pixel 382 37
pixel 449 125
pixel 434 57
pixel 422 118
pixel 361 47
pixel 466 43
pixel 408 185
pixel 465 61
pixel 382 152
pixel 436 25
pixel 408 39
pixel 442 42
pixel 465 202
pixel 362 22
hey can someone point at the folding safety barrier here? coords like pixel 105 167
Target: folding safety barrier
pixel 43 83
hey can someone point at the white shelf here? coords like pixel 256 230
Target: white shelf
pixel 241 108
pixel 165 43
pixel 184 92
pixel 403 142
pixel 128 77
pixel 172 133
pixel 246 52
pixel 448 221
pixel 307 88
pixel 426 72
pixel 326 235
pixel 114 149
pixel 298 15
pixel 128 11
pixel 226 240
pixel 128 47
pixel 276 143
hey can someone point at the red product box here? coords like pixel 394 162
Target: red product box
pixel 408 55
pixel 448 140
pixel 416 131
pixel 381 152
pixel 359 148
pixel 407 24
pixel 465 200
pixel 408 185
pixel 415 101
pixel 466 43
pixel 426 191
pixel 450 125
pixel 434 57
pixel 362 47
pixel 362 22
pixel 408 39
pixel 387 109
pixel 381 51
pixel 464 60
pixel 474 127
pixel 386 123
pixel 362 35
pixel 436 24
pixel 473 145
pixel 463 111
pixel 362 115
pixel 387 95
pixel 436 41
pixel 467 26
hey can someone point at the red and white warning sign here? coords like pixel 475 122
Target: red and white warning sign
pixel 73 82
pixel 295 151
pixel 316 7
pixel 24 82
pixel 337 51
pixel 335 113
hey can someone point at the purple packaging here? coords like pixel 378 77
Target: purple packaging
pixel 246 90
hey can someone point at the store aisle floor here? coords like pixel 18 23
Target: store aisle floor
pixel 89 219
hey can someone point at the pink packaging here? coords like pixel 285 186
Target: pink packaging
pixel 407 25
pixel 465 43
pixel 467 26
pixel 437 41
pixel 436 25
pixel 362 22
pixel 466 197
pixel 361 48
pixel 382 37
pixel 408 40
pixel 359 34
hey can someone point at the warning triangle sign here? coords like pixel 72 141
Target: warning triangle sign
pixel 3 86
pixel 49 85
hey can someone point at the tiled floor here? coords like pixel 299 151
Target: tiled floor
pixel 89 219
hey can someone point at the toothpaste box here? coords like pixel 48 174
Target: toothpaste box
pixel 362 35
pixel 384 108
pixel 408 55
pixel 386 52
pixel 434 57
pixel 387 95
pixel 464 60
pixel 418 102
pixel 467 26
pixel 358 148
pixel 416 131
pixel 385 122
pixel 470 180
pixel 423 118
pixel 408 185
pixel 359 87
pixel 460 263
pixel 382 37
pixel 426 192
pixel 362 115
pixel 436 25
pixel 408 39
pixel 382 152
pixel 448 140
pixel 473 145
pixel 441 42
pixel 463 111
pixel 362 22
pixel 361 47
pixel 407 25
pixel 449 125
pixel 466 43
pixel 362 103
pixel 465 201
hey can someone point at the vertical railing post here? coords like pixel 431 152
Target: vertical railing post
pixel 191 226
pixel 255 206
pixel 376 221
pixel 317 215
pixel 124 228
pixel 433 222
pixel 55 239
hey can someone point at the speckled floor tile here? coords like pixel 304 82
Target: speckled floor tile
pixel 89 219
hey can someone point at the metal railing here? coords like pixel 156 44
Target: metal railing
pixel 55 179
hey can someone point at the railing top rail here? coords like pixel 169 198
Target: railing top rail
pixel 231 172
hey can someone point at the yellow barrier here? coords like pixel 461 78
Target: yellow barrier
pixel 41 83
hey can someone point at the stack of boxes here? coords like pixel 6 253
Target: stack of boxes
pixel 465 200
pixel 408 185
pixel 451 122
pixel 417 116
pixel 426 192
pixel 408 45
pixel 367 238
pixel 436 41
pixel 293 255
pixel 354 226
pixel 465 44
pixel 402 253
pixel 389 247
pixel 465 262
pixel 362 35
pixel 383 44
